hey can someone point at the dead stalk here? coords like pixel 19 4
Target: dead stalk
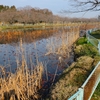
pixel 23 84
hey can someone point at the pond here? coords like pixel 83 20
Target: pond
pixel 52 47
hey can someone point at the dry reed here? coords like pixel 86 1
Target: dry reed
pixel 67 38
pixel 23 84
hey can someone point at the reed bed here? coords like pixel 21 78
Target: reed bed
pixel 8 36
pixel 24 84
pixel 62 46
pixel 14 35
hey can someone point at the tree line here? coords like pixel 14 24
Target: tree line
pixel 30 15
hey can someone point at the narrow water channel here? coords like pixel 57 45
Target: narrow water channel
pixel 38 46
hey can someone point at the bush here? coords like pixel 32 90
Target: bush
pixel 96 32
pixel 96 93
pixel 86 49
pixel 82 40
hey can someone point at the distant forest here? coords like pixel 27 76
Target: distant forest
pixel 30 15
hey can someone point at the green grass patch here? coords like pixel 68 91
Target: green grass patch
pixel 86 49
pixel 82 40
pixel 96 32
pixel 79 79
pixel 96 95
pixel 87 57
pixel 28 26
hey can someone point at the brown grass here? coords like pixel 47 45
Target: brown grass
pixel 29 36
pixel 68 37
pixel 23 84
pixel 71 79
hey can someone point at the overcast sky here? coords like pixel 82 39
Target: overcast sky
pixel 54 5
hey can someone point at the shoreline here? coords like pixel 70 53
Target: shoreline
pixel 74 76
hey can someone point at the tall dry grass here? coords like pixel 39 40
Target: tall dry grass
pixel 67 38
pixel 24 84
pixel 14 35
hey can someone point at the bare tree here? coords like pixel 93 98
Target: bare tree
pixel 84 5
pixel 29 15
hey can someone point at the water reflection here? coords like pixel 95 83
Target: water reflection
pixel 38 46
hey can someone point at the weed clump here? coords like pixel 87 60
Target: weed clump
pixel 85 49
pixel 95 32
pixel 72 78
pixel 22 85
pixel 75 75
pixel 82 40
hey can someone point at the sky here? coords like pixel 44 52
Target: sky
pixel 56 6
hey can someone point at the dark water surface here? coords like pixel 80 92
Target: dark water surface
pixel 36 50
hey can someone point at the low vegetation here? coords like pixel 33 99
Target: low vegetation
pixel 96 95
pixel 24 84
pixel 96 34
pixel 82 48
pixel 86 57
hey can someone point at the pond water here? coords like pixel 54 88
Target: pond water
pixel 38 46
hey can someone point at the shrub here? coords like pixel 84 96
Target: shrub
pixel 85 49
pixel 96 32
pixel 82 40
